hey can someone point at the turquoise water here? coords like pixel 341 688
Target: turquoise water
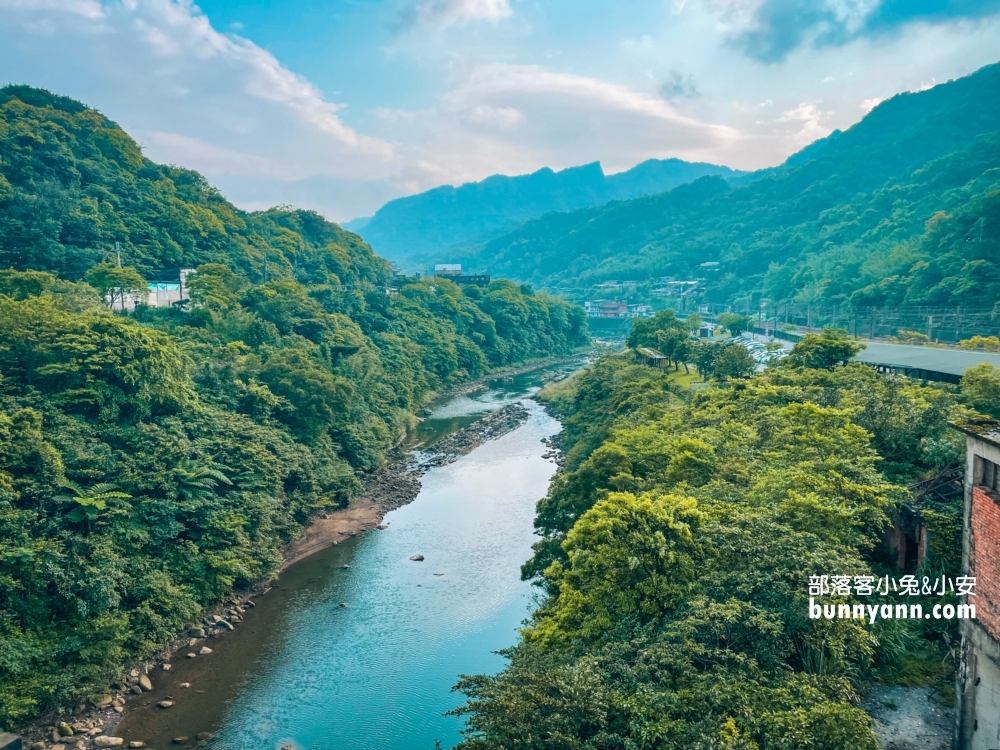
pixel 377 674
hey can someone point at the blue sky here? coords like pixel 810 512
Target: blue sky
pixel 340 106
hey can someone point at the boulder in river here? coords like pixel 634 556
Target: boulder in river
pixel 417 558
pixel 205 650
pixel 105 741
pixel 144 683
pixel 165 704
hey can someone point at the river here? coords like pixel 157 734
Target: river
pixel 307 671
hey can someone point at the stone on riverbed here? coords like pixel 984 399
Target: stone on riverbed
pixel 144 683
pixel 105 741
pixel 417 558
pixel 205 650
pixel 165 704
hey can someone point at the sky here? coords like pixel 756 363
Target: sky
pixel 341 105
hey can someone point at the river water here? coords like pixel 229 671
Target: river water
pixel 377 674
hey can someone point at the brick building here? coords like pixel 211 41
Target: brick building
pixel 977 714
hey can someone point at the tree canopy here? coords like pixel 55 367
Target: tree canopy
pixel 676 553
pixel 150 462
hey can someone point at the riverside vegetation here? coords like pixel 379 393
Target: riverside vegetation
pixel 151 462
pixel 677 547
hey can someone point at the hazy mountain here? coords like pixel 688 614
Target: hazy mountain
pixel 846 218
pixel 447 217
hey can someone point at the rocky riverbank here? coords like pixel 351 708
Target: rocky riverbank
pixel 92 724
pixel 398 483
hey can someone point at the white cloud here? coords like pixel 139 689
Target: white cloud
pixel 87 8
pixel 869 104
pixel 811 117
pixel 213 102
pixel 457 12
pixel 471 105
pixel 214 161
pixel 500 117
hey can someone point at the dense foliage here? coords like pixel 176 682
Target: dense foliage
pixel 902 208
pixel 151 462
pixel 677 548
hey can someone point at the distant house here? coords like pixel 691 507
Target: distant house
pixel 676 288
pixel 454 272
pixel 165 288
pixel 640 311
pixel 707 331
pixel 644 355
pixel 977 715
pixel 603 308
pixel 711 265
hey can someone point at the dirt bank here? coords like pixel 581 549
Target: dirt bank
pixel 398 483
pixel 91 725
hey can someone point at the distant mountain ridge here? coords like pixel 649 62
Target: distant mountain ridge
pixel 450 217
pixel 901 208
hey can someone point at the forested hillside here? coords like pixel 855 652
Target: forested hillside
pixel 431 225
pixel 677 548
pixel 150 462
pixel 904 207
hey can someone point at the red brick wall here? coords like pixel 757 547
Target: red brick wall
pixel 984 560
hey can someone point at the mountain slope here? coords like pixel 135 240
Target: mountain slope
pixel 447 217
pixel 835 220
pixel 151 462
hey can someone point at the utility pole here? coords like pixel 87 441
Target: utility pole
pixel 118 252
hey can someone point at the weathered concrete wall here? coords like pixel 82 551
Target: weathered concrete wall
pixel 980 724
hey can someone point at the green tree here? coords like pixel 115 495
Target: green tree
pixel 981 389
pixel 823 351
pixel 628 558
pixel 733 361
pixel 86 504
pixel 215 287
pixel 735 323
pixel 114 284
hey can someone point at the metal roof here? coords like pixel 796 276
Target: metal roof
pixel 928 358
